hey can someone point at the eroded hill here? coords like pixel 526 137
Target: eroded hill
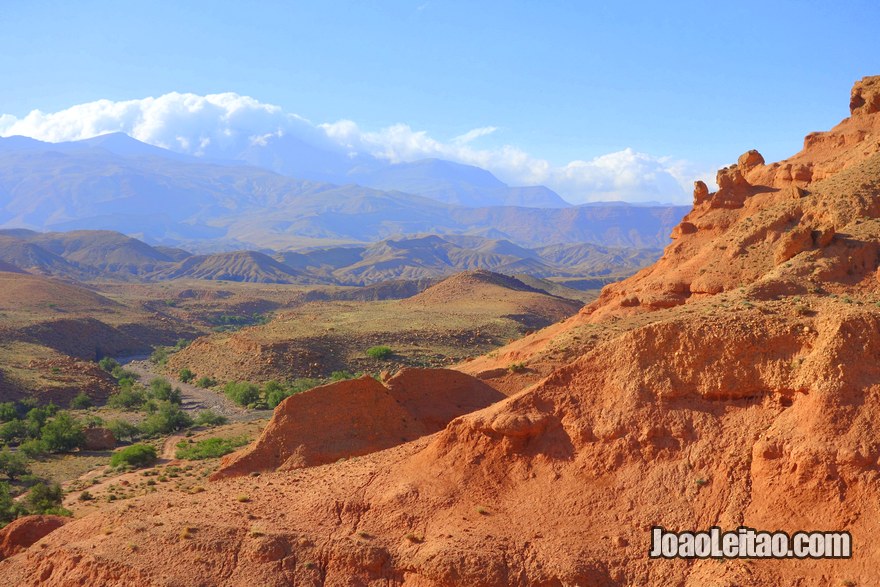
pixel 735 382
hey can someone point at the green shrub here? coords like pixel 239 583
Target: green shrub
pixel 166 418
pixel 108 364
pixel 209 448
pixel 159 355
pixel 136 455
pixel 119 373
pixel 343 375
pixel 82 401
pixel 160 389
pixel 516 367
pixel 379 352
pixel 186 375
pixel 63 433
pixel 13 431
pixel 8 412
pixel 9 508
pixel 242 393
pixel 13 464
pixel 33 448
pixel 45 498
pixel 206 382
pixel 123 431
pixel 129 397
pixel 209 418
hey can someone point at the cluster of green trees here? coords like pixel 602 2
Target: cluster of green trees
pixel 232 322
pixel 42 498
pixel 160 401
pixel 252 396
pixel 39 430
pixel 35 431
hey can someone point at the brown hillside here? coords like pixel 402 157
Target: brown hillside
pixel 248 266
pixel 735 382
pixel 443 324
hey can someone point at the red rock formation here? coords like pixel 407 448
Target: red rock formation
pixel 98 438
pixel 357 417
pixel 20 534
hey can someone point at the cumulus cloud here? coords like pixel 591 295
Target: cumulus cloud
pixel 224 125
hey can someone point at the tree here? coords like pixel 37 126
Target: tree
pixel 167 418
pixel 123 430
pixel 81 401
pixel 45 498
pixel 108 364
pixel 161 389
pixel 63 433
pixel 13 464
pixel 243 393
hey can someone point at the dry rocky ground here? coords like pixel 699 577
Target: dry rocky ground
pixel 735 382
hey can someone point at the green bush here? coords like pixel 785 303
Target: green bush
pixel 8 412
pixel 166 418
pixel 343 375
pixel 159 355
pixel 206 382
pixel 108 364
pixel 123 431
pixel 209 418
pixel 379 352
pixel 13 464
pixel 9 508
pixel 186 375
pixel 119 373
pixel 33 448
pixel 136 455
pixel 160 389
pixel 129 397
pixel 45 498
pixel 13 431
pixel 82 401
pixel 242 393
pixel 63 433
pixel 209 448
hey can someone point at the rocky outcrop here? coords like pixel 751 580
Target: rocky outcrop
pixel 98 438
pixel 357 417
pixel 20 534
pixel 865 96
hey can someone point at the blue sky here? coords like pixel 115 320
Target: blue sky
pixel 692 82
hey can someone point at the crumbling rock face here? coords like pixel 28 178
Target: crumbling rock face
pixel 865 96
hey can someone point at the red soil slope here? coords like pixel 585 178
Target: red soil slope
pixel 357 417
pixel 736 382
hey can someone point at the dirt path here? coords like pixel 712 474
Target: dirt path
pixel 194 398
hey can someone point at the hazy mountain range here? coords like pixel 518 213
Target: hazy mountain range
pixel 114 182
pixel 89 255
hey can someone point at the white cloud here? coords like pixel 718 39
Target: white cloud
pixel 223 125
pixel 474 134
